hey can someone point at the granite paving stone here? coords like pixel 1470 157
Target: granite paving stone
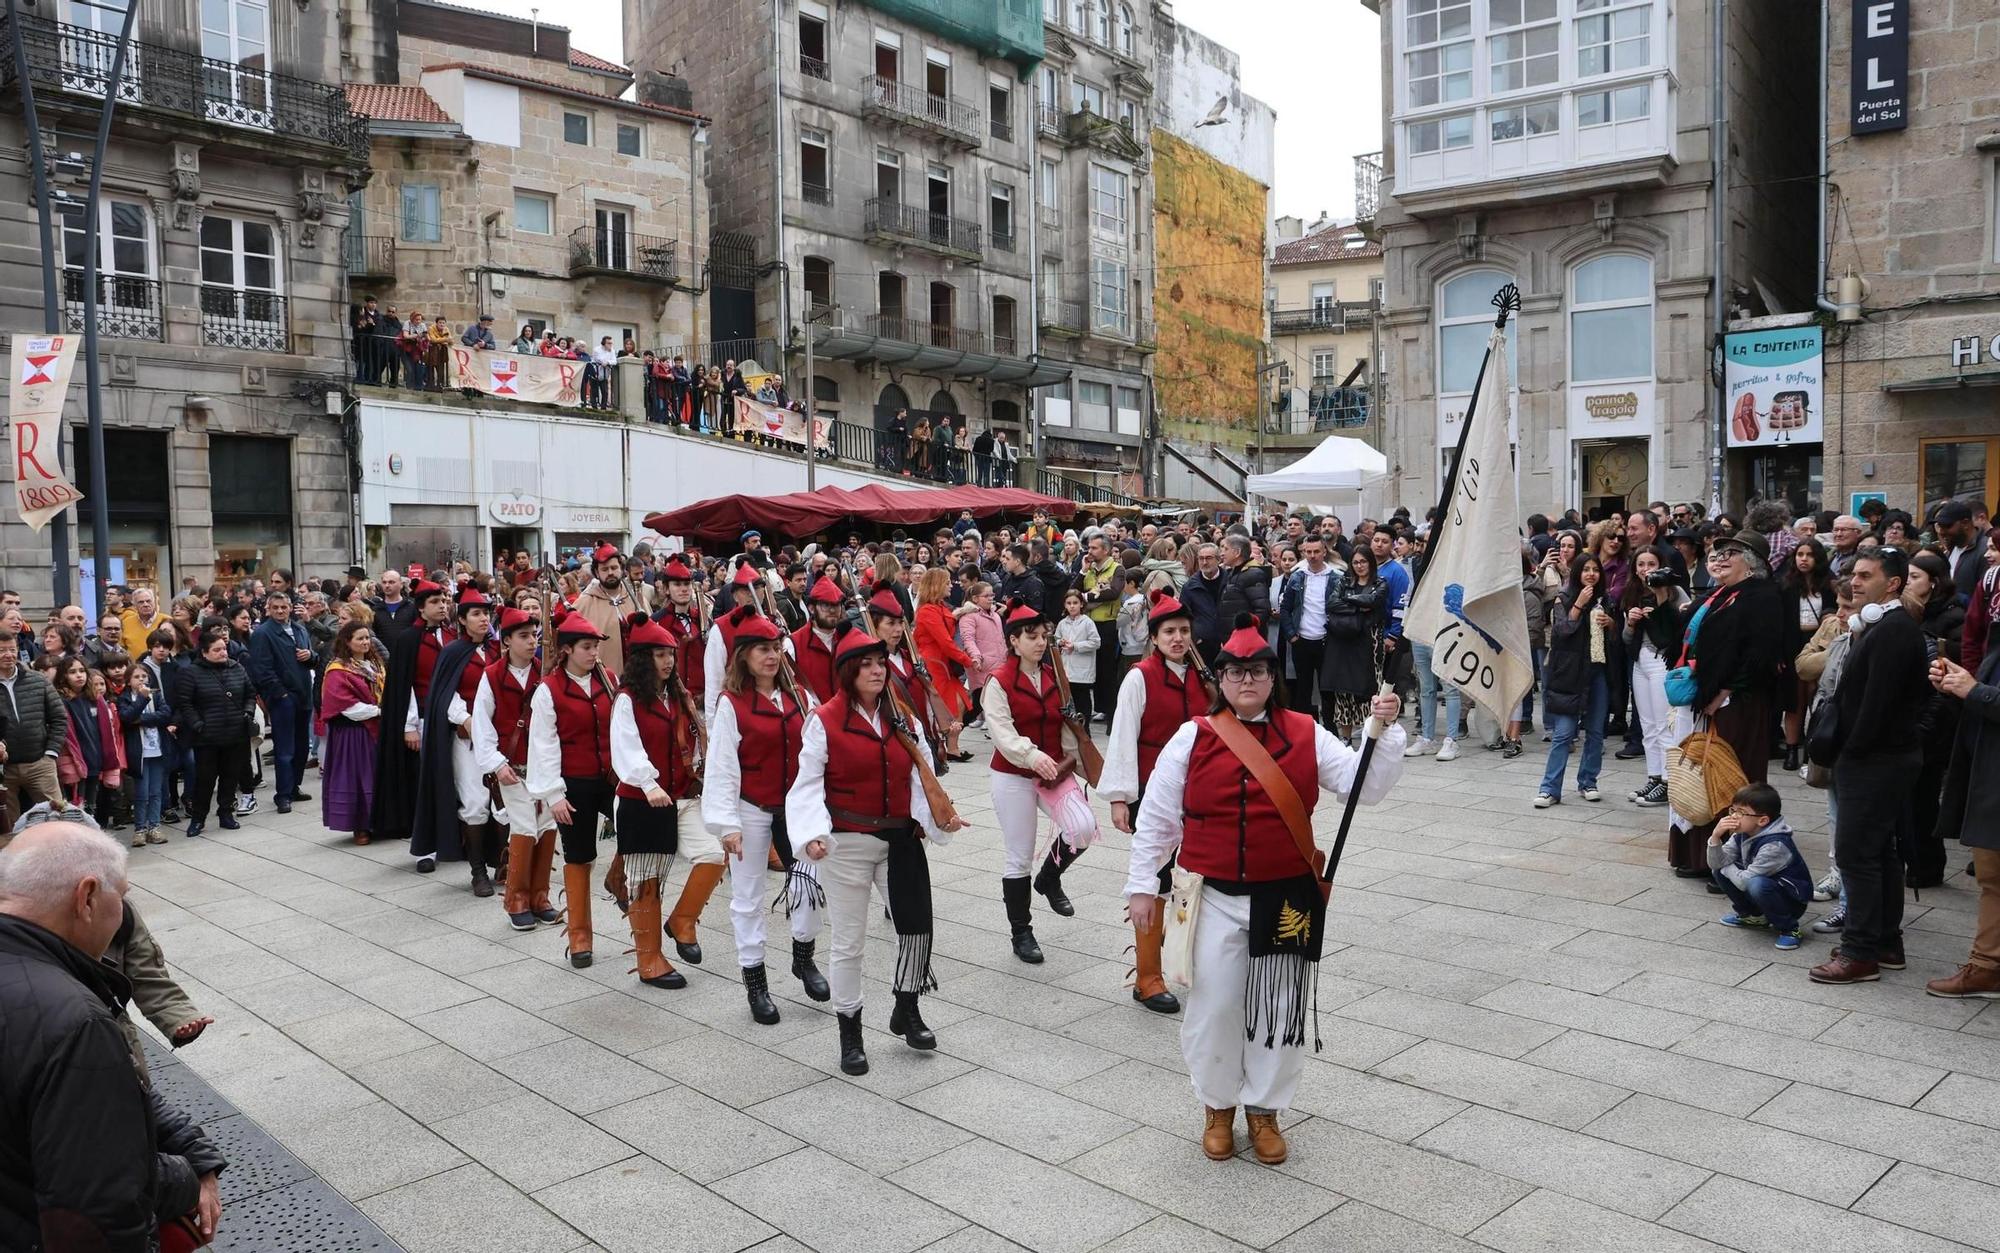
pixel 694 1135
pixel 832 1207
pixel 1429 1187
pixel 1951 1206
pixel 531 1142
pixel 1757 1219
pixel 1549 1222
pixel 1939 1140
pixel 1644 1185
pixel 1238 1198
pixel 1766 1155
pixel 1842 1069
pixel 468 1210
pixel 863 1129
pixel 640 1206
pixel 1713 1086
pixel 1038 1206
pixel 1013 1112
pixel 1500 1083
pixel 1482 1029
pixel 1359 1228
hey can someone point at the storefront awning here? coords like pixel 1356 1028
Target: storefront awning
pixel 1946 382
pixel 798 514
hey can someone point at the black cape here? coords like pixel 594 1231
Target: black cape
pixel 434 826
pixel 395 764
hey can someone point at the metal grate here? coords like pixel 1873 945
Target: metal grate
pixel 304 1217
pixel 257 1163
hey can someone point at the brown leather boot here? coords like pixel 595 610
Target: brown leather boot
pixel 653 969
pixel 1840 968
pixel 541 868
pixel 1218 1137
pixel 1148 987
pixel 614 883
pixel 1265 1139
pixel 520 864
pixel 695 892
pixel 775 862
pixel 1970 981
pixel 576 898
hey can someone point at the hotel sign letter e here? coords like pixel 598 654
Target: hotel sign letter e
pixel 1879 66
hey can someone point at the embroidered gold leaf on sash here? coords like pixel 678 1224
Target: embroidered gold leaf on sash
pixel 1293 925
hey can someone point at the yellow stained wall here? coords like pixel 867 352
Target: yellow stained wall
pixel 1208 293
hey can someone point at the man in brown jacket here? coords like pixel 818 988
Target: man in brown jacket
pixel 606 602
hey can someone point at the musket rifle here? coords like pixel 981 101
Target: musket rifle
pixel 1086 756
pixel 898 716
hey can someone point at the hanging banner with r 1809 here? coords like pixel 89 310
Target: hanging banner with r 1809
pixel 42 366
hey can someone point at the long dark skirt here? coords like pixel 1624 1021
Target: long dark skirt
pixel 1745 725
pixel 347 776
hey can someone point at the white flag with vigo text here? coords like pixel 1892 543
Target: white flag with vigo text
pixel 1468 605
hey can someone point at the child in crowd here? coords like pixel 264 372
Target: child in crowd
pixel 1076 636
pixel 1754 861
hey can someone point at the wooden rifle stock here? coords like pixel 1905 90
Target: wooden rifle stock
pixel 898 715
pixel 1086 756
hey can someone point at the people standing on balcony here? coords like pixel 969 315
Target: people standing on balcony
pixel 597 375
pixel 982 458
pixel 437 355
pixel 712 401
pixel 480 334
pixel 526 342
pixel 677 392
pixel 920 449
pixel 895 441
pixel 366 327
pixel 1004 457
pixel 412 341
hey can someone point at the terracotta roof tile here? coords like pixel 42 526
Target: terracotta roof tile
pixel 1329 244
pixel 395 102
pixel 564 89
pixel 586 61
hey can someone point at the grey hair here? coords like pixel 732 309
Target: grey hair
pixel 1238 544
pixel 45 872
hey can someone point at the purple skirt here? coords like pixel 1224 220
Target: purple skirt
pixel 347 776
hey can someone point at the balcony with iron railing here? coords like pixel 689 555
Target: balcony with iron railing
pixel 1050 118
pixel 128 306
pixel 816 193
pixel 813 67
pixel 892 221
pixel 1054 483
pixel 1062 317
pixel 1327 408
pixel 232 317
pixel 891 324
pixel 229 102
pixel 622 254
pixel 1000 128
pixel 1367 186
pixel 1335 316
pixel 371 257
pixel 907 104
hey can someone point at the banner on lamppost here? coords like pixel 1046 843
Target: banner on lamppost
pixel 42 366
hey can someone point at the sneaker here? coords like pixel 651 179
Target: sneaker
pixel 154 836
pixel 172 817
pixel 1544 800
pixel 1547 738
pixel 1833 924
pixel 1982 982
pixel 1828 889
pixel 1788 940
pixel 1653 795
pixel 1448 751
pixel 246 804
pixel 1744 920
pixel 1512 749
pixel 1418 748
pixel 138 839
pixel 1590 794
pixel 1495 744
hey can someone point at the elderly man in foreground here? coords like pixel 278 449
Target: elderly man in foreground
pixel 90 1160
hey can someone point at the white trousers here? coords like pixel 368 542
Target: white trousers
pixel 524 815
pixel 697 845
pixel 749 880
pixel 857 863
pixel 1016 802
pixel 1658 721
pixel 474 802
pixel 1227 1069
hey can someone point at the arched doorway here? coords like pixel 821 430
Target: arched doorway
pixel 890 453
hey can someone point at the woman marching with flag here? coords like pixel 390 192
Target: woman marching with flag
pixel 1234 793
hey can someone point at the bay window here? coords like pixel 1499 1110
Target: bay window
pixel 1614 37
pixel 1611 320
pixel 1107 203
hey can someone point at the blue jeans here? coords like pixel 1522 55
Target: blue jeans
pixel 1764 897
pixel 1563 730
pixel 291 731
pixel 1427 693
pixel 1526 712
pixel 151 794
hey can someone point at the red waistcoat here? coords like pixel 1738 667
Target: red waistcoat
pixel 510 708
pixel 690 648
pixel 769 751
pixel 660 726
pixel 1169 703
pixel 429 645
pixel 583 725
pixel 814 662
pixel 1232 830
pixel 1037 715
pixel 475 669
pixel 866 773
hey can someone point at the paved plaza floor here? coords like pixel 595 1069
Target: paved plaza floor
pixel 1535 1038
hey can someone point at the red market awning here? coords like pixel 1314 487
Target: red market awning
pixel 799 514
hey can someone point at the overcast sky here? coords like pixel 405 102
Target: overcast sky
pixel 1317 62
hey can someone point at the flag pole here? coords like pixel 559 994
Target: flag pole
pixel 1508 301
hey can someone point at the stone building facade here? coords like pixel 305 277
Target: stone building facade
pixel 222 310
pixel 511 180
pixel 880 165
pixel 1326 286
pixel 1912 389
pixel 1565 146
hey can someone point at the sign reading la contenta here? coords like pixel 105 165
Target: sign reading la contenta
pixel 1878 71
pixel 1772 381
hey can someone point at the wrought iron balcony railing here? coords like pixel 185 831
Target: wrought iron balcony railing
pixel 234 318
pixel 1367 186
pixel 371 256
pixel 893 325
pixel 813 67
pixel 622 254
pixel 1337 315
pixel 910 104
pixel 127 307
pixel 1062 316
pixel 938 232
pixel 815 193
pixel 74 60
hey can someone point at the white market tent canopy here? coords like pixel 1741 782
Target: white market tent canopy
pixel 1337 472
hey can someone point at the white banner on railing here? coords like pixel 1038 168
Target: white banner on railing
pixel 780 424
pixel 517 376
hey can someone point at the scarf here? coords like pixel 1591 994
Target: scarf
pixel 1287 926
pixel 910 909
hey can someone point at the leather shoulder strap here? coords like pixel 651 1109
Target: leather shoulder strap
pixel 1264 768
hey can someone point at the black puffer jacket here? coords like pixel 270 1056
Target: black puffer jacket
pixel 1248 590
pixel 88 1157
pixel 215 703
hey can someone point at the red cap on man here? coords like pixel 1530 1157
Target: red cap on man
pixel 423 588
pixel 826 592
pixel 515 619
pixel 604 553
pixel 676 571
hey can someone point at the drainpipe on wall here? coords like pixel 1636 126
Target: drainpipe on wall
pixel 778 172
pixel 1819 186
pixel 1719 210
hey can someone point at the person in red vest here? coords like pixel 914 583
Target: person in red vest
pixel 1235 791
pixel 1159 694
pixel 569 762
pixel 722 636
pixel 684 619
pixel 500 748
pixel 475 799
pixel 1028 772
pixel 753 758
pixel 655 744
pixel 812 644
pixel 858 808
pixel 892 626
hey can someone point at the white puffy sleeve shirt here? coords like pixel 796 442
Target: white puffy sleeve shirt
pixel 806 816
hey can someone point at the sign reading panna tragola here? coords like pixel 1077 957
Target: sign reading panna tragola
pixel 774 423
pixel 42 365
pixel 1772 379
pixel 544 380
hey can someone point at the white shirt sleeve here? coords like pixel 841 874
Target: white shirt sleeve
pixel 545 777
pixel 1120 780
pixel 722 778
pixel 920 805
pixel 486 752
pixel 806 818
pixel 360 713
pixel 628 752
pixel 458 713
pixel 1337 763
pixel 411 720
pixel 1156 832
pixel 714 663
pixel 1015 747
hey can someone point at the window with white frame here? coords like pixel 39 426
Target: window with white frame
pixel 1323 300
pixel 1049 185
pixel 534 213
pixel 1438 51
pixel 1464 321
pixel 1624 104
pixel 1052 12
pixel 423 214
pixel 1089 97
pixel 1323 362
pixel 1093 405
pixel 1104 24
pixel 1108 310
pixel 1000 215
pixel 1613 36
pixel 1523 121
pixel 1128 32
pixel 1107 203
pixel 124 237
pixel 1611 319
pixel 631 140
pixel 1526 50
pixel 1441 134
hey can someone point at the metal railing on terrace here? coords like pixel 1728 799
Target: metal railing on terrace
pixel 1336 316
pixel 370 256
pixel 919 226
pixel 911 104
pixel 232 317
pixel 128 307
pixel 649 258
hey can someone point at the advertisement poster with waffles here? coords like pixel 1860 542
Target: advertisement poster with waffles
pixel 1773 386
